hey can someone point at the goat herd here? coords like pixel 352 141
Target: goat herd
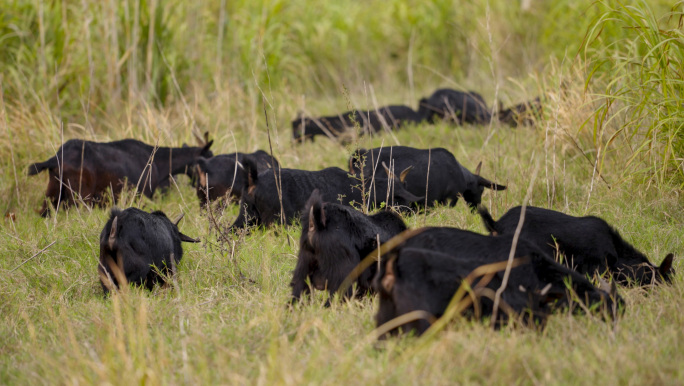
pixel 342 250
pixel 457 106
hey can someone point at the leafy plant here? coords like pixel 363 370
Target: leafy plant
pixel 642 72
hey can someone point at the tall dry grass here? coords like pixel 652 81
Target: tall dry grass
pixel 161 70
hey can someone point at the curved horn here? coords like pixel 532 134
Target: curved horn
pixel 477 169
pixel 112 232
pixel 177 220
pixel 387 170
pixel 404 173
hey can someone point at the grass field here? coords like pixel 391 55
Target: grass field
pixel 610 145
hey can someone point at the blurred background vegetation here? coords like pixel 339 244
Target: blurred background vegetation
pixel 611 71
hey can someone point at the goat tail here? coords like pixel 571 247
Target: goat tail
pixel 487 219
pixel 40 166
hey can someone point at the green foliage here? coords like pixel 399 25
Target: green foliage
pixel 109 51
pixel 642 70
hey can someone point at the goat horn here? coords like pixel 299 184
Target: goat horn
pixel 387 170
pixel 404 173
pixel 177 220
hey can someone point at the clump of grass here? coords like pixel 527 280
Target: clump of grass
pixel 640 108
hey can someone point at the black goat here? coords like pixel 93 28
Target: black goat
pixel 138 247
pixel 589 244
pixel 86 169
pixel 447 180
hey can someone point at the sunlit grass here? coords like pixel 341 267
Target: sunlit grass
pixel 87 69
pixel 214 325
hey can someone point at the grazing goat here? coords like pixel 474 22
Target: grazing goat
pixel 523 114
pixel 588 243
pixel 282 193
pixel 458 106
pixel 83 170
pixel 425 271
pixel 334 240
pixel 447 179
pixel 138 248
pixel 371 121
pixel 223 175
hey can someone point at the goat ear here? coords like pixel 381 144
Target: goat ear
pixel 112 232
pixel 665 268
pixel 207 146
pixel 478 168
pixel 252 173
pixel 319 215
pixel 202 176
pixel 390 276
pixel 187 239
pixel 489 184
pixel 177 220
pixel 317 218
pixel 408 196
pixel 404 173
pixel 312 222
